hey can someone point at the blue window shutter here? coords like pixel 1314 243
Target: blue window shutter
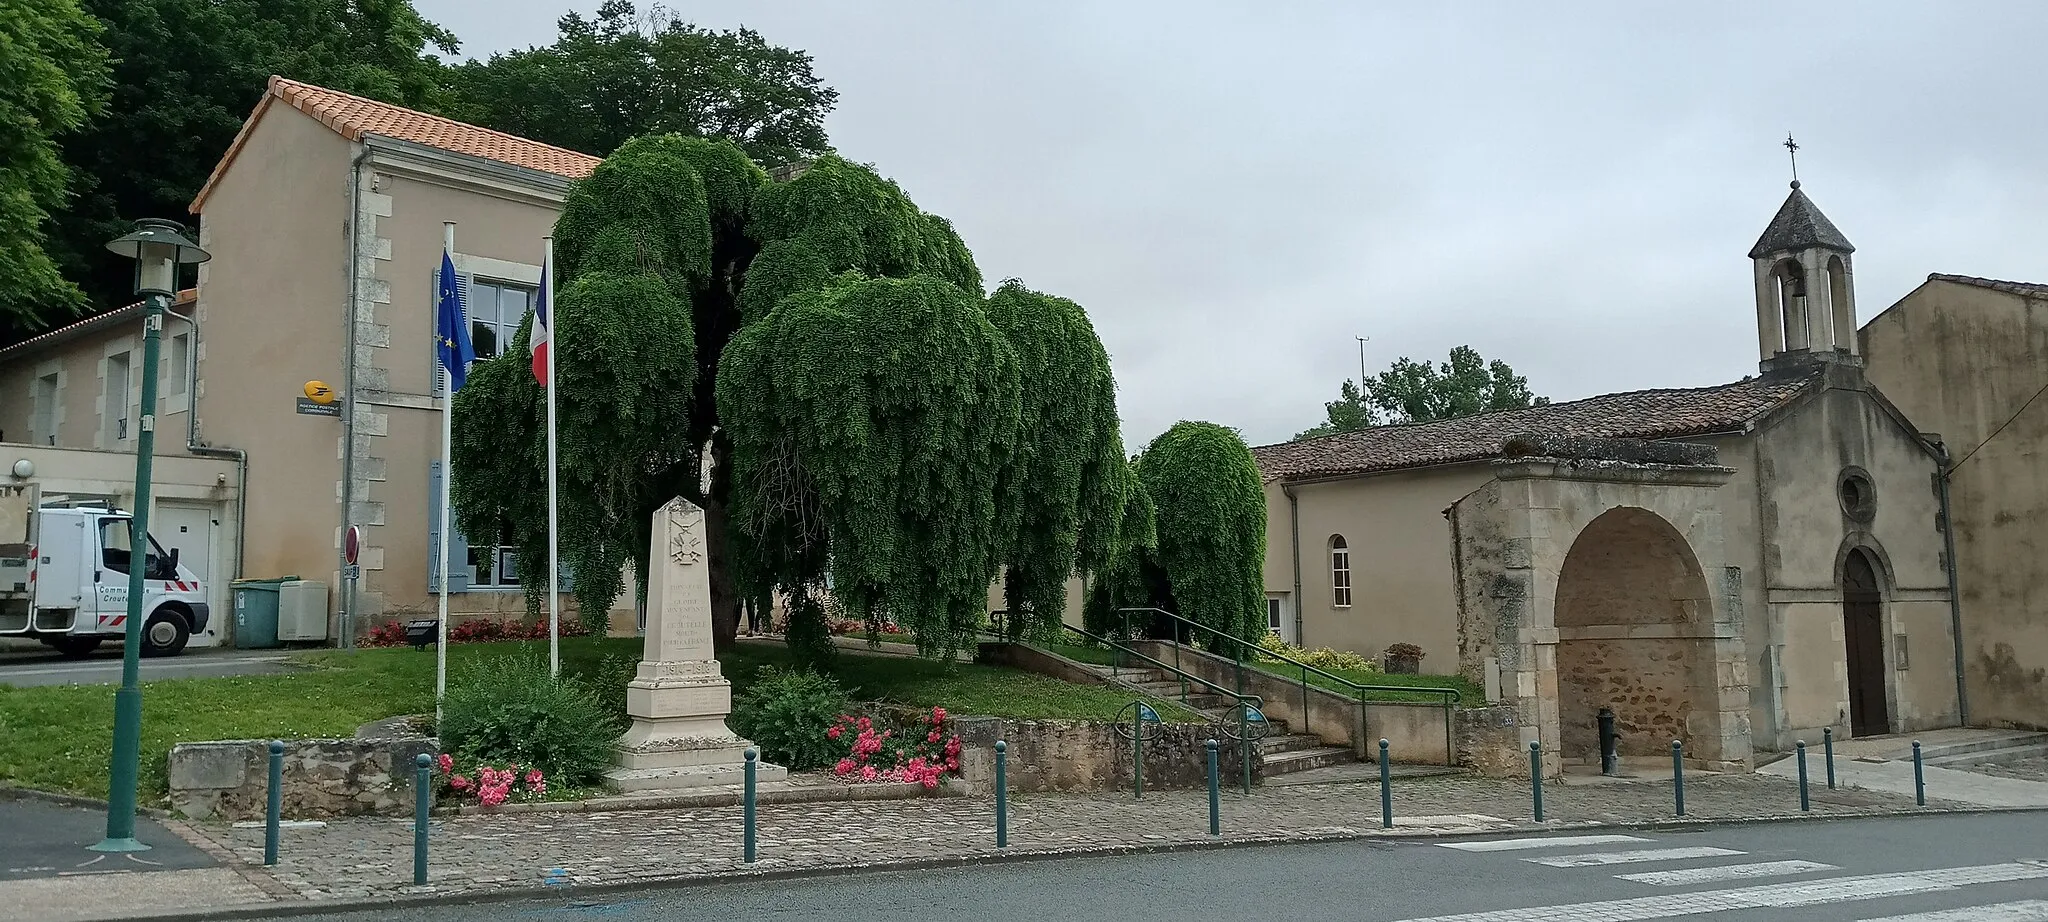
pixel 434 520
pixel 458 547
pixel 567 577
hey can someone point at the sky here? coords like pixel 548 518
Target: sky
pixel 1237 191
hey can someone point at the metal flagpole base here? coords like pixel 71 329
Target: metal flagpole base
pixel 118 845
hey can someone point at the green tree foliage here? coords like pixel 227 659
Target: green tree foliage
pixel 619 74
pixel 185 75
pixel 1419 392
pixel 1192 538
pixel 1068 473
pixel 811 361
pixel 52 78
pixel 903 449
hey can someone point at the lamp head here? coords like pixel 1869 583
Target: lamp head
pixel 158 247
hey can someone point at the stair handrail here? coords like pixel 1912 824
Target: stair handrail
pixel 1451 696
pixel 1256 701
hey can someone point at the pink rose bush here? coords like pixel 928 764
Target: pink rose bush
pixel 489 785
pixel 923 754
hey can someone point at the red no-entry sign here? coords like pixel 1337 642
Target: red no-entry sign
pixel 352 544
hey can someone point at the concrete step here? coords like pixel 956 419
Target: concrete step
pixel 1987 756
pixel 1292 742
pixel 2000 744
pixel 1302 760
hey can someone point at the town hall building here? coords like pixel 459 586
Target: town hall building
pixel 1734 567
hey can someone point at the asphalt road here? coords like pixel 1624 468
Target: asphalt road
pixel 41 667
pixel 49 840
pixel 1986 868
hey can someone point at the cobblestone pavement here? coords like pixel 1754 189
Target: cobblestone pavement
pixel 371 858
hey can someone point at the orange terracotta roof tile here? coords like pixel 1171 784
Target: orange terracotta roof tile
pixel 1650 415
pixel 354 117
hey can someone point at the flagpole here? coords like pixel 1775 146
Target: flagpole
pixel 554 552
pixel 447 487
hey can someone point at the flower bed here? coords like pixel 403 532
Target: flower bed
pixel 491 785
pixel 476 630
pixel 914 751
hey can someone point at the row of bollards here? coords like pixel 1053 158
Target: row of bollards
pixel 423 786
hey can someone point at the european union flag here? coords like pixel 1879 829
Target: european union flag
pixel 451 327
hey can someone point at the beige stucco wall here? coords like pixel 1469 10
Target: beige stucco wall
pixel 1795 588
pixel 495 238
pixel 1963 361
pixel 1402 581
pixel 271 307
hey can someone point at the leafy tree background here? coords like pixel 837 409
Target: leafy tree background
pixel 53 76
pixel 1194 539
pixel 1419 392
pixel 621 74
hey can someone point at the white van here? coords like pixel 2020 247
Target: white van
pixel 64 574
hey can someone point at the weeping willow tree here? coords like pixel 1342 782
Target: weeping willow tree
pixel 811 361
pixel 1207 510
pixel 1067 478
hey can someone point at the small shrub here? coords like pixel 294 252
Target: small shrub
pixel 1321 658
pixel 509 711
pixel 607 681
pixel 1404 651
pixel 787 712
pixel 918 751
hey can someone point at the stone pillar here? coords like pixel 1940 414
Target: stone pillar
pixel 679 698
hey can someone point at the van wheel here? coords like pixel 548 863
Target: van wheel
pixel 165 633
pixel 76 647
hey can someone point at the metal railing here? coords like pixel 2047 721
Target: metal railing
pixel 1449 696
pixel 1123 654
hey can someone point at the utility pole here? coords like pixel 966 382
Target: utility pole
pixel 1361 362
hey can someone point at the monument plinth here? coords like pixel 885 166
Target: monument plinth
pixel 679 698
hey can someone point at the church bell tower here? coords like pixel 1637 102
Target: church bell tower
pixel 1805 287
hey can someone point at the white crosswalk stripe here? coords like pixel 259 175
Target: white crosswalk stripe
pixel 1506 845
pixel 1770 896
pixel 2021 911
pixel 1717 873
pixel 1595 859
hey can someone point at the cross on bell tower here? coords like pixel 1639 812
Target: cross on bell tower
pixel 1805 292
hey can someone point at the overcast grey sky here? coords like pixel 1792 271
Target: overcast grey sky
pixel 1235 191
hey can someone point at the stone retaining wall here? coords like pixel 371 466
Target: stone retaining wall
pixel 228 780
pixel 1082 755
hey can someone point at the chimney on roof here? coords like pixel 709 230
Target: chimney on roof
pixel 789 171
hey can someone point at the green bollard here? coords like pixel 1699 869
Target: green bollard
pixel 1827 743
pixel 1678 776
pixel 1805 804
pixel 1386 790
pixel 274 811
pixel 753 756
pixel 1536 776
pixel 422 781
pixel 1919 777
pixel 1002 794
pixel 1244 739
pixel 1215 793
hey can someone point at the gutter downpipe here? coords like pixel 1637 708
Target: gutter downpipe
pixel 348 386
pixel 1955 599
pixel 1294 554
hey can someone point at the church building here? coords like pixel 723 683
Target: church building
pixel 1733 567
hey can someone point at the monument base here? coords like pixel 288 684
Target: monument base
pixel 679 738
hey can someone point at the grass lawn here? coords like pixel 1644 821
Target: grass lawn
pixel 56 738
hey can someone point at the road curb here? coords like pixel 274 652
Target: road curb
pixel 299 908
pixel 11 792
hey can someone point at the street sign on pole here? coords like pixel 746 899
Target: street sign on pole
pixel 351 551
pixel 352 545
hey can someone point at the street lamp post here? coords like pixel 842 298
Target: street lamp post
pixel 158 248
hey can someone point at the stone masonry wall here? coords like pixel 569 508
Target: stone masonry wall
pixel 1078 755
pixel 228 780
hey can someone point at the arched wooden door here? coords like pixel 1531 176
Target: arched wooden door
pixel 1863 635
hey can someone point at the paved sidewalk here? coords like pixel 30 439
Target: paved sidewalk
pixel 1895 777
pixel 370 859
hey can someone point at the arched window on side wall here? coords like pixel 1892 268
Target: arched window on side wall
pixel 1340 572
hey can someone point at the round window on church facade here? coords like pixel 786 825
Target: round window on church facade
pixel 1859 496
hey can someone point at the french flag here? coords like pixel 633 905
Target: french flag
pixel 543 332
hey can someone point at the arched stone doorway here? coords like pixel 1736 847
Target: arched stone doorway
pixel 1634 627
pixel 1863 637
